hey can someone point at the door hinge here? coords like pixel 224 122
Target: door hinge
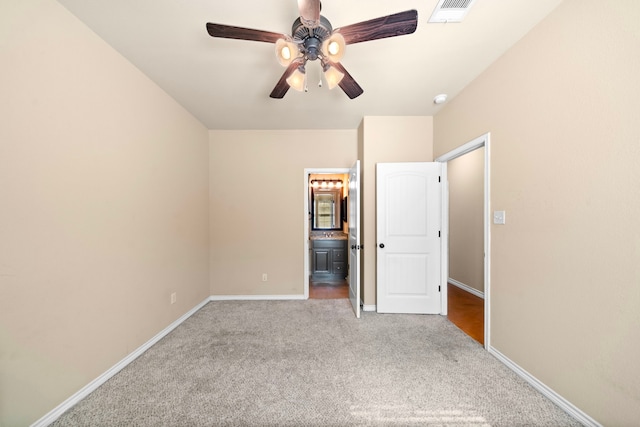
pixel 439 287
pixel 439 179
pixel 439 233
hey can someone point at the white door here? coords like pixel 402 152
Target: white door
pixel 354 237
pixel 408 209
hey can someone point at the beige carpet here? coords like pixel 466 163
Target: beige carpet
pixel 311 363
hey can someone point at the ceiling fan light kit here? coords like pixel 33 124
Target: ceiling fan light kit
pixel 286 51
pixel 333 76
pixel 333 48
pixel 312 38
pixel 298 79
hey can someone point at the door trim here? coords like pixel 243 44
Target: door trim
pixel 354 237
pixel 305 212
pixel 479 142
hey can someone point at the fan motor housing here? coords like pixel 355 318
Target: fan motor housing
pixel 311 39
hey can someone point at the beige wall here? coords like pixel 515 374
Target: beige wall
pixel 257 191
pixel 257 205
pixel 108 188
pixel 103 187
pixel 562 107
pixel 466 219
pixel 385 139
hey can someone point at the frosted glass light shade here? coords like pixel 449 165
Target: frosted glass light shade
pixel 333 48
pixel 333 77
pixel 297 79
pixel 286 52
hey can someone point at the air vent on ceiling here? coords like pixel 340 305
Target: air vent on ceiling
pixel 451 10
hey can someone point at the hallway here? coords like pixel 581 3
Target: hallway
pixel 466 311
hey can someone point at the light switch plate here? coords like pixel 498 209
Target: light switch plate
pixel 499 217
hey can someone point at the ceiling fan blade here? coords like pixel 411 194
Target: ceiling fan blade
pixel 348 84
pixel 398 24
pixel 282 86
pixel 309 12
pixel 239 33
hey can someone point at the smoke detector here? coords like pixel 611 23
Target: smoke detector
pixel 451 10
pixel 440 99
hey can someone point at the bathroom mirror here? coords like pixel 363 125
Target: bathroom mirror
pixel 327 209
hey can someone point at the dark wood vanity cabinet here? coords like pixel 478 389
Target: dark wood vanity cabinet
pixel 328 260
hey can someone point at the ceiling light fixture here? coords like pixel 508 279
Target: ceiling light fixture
pixel 334 47
pixel 326 183
pixel 319 42
pixel 298 79
pixel 286 52
pixel 312 37
pixel 333 76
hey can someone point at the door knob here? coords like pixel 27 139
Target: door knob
pixel 353 246
pixel 381 245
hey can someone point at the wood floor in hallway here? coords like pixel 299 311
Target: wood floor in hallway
pixel 466 310
pixel 328 290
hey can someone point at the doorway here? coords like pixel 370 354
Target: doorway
pixel 465 278
pixel 330 264
pixel 458 233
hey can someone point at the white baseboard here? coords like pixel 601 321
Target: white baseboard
pixel 254 297
pixel 369 307
pixel 563 403
pixel 467 288
pixel 55 413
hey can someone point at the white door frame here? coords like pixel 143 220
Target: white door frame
pixel 479 142
pixel 307 172
pixel 354 237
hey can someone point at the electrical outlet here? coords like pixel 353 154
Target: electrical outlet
pixel 264 277
pixel 173 298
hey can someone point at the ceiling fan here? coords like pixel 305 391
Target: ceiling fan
pixel 313 38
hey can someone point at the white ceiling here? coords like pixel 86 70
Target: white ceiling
pixel 226 83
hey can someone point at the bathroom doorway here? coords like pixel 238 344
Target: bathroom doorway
pixel 326 263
